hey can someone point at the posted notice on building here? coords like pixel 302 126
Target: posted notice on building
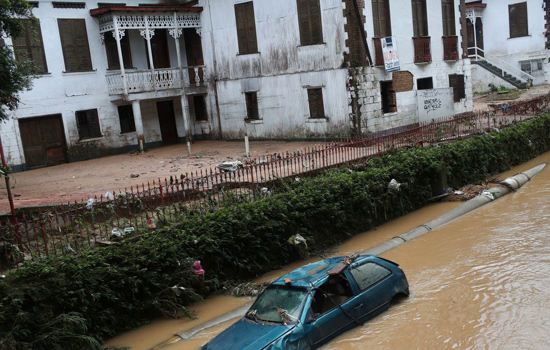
pixel 389 50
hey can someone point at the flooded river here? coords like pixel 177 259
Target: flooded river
pixel 481 281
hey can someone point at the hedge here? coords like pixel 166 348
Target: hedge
pixel 78 301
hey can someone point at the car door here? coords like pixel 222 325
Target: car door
pixel 332 311
pixel 375 293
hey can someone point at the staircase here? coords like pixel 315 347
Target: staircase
pixel 501 68
pixel 502 74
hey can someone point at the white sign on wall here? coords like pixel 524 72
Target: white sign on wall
pixel 435 103
pixel 389 50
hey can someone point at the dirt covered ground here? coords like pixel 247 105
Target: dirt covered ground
pixel 82 180
pixel 483 102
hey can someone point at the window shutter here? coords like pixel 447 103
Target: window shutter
pixel 376 19
pixel 21 44
pixel 316 108
pixel 522 19
pixel 81 45
pixel 74 41
pixel 385 19
pixel 304 22
pixel 316 22
pixel 460 86
pixel 251 28
pixel 68 48
pixel 29 46
pixel 445 10
pixel 420 21
pixel 93 123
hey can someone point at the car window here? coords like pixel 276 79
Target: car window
pixel 369 274
pixel 336 290
pixel 277 299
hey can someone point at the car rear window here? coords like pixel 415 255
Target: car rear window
pixel 369 274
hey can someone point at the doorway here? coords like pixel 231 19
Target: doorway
pixel 167 121
pixel 193 50
pixel 159 50
pixel 43 140
pixel 478 39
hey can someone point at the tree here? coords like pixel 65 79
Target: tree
pixel 14 76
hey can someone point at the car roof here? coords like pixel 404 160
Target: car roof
pixel 314 274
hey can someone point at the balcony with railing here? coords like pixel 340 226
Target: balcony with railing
pixel 422 50
pixel 155 24
pixel 156 80
pixel 378 54
pixel 450 48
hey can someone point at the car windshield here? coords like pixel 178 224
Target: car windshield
pixel 279 304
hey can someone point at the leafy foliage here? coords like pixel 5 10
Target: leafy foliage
pixel 14 76
pixel 78 301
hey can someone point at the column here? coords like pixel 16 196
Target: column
pixel 148 33
pixel 176 34
pixel 118 35
pixel 136 108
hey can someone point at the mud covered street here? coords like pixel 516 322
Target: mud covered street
pixel 81 180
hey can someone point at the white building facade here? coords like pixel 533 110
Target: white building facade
pixel 512 36
pixel 121 76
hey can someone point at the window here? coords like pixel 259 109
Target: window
pixel 368 274
pixel 87 124
pixel 200 108
pixel 315 98
pixel 389 104
pixel 126 117
pixel 74 42
pixel 518 20
pixel 335 290
pixel 381 18
pixel 29 46
pixel 533 67
pixel 456 81
pixel 252 106
pixel 112 51
pixel 309 20
pixel 424 83
pixel 420 18
pixel 246 28
pixel 447 7
pixel 68 5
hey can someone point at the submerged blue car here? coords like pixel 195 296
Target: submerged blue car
pixel 315 303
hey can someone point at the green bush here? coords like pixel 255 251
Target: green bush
pixel 78 301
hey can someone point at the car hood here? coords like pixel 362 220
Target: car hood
pixel 245 334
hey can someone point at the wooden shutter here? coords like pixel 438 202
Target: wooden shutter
pixel 376 18
pixel 456 81
pixel 304 22
pixel 460 86
pixel 316 22
pixel 29 46
pixel 246 28
pixel 447 7
pixel 517 14
pixel 252 106
pixel 381 18
pixel 310 22
pixel 88 124
pixel 316 108
pixel 74 42
pixel 420 20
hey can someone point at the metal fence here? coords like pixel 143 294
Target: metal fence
pixel 101 220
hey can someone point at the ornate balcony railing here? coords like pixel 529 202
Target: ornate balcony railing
pixel 378 55
pixel 157 80
pixel 450 48
pixel 422 50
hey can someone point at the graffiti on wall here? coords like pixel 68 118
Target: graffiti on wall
pixel 435 103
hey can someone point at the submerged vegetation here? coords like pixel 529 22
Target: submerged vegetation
pixel 77 301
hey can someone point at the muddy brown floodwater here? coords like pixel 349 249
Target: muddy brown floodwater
pixel 480 282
